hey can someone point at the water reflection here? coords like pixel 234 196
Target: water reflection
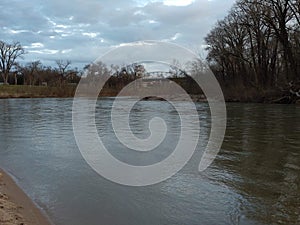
pixel 254 180
pixel 261 154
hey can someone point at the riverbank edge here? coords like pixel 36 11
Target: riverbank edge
pixel 194 98
pixel 17 207
pixel 55 92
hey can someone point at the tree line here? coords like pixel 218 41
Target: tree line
pixel 257 47
pixel 33 73
pixel 118 76
pixel 36 74
pixel 254 52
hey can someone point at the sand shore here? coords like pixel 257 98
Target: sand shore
pixel 16 208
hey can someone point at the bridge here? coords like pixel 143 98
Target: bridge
pixel 158 74
pixel 154 70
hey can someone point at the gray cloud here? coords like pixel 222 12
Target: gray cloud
pixel 82 30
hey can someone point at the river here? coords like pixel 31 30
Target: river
pixel 255 179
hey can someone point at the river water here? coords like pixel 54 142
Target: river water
pixel 255 179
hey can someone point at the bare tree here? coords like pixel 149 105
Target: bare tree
pixel 8 55
pixel 33 67
pixel 114 70
pixel 257 44
pixel 295 8
pixel 139 70
pixel 279 17
pixel 175 68
pixel 63 66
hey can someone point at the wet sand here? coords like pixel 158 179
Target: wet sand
pixel 16 208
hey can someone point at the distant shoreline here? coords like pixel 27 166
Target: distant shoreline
pixel 24 91
pixel 68 91
pixel 16 207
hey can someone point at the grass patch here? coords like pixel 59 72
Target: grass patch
pixel 24 91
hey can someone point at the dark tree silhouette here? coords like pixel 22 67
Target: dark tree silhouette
pixel 257 46
pixel 8 55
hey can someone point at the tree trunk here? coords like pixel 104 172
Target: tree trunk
pixel 5 78
pixel 16 79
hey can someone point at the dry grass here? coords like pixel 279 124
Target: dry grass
pixel 24 91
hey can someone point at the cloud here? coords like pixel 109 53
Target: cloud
pixel 81 30
pixel 45 51
pixel 90 34
pixel 178 2
pixel 35 45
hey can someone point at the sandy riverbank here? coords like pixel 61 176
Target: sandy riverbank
pixel 16 208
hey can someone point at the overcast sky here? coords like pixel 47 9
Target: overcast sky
pixel 83 30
